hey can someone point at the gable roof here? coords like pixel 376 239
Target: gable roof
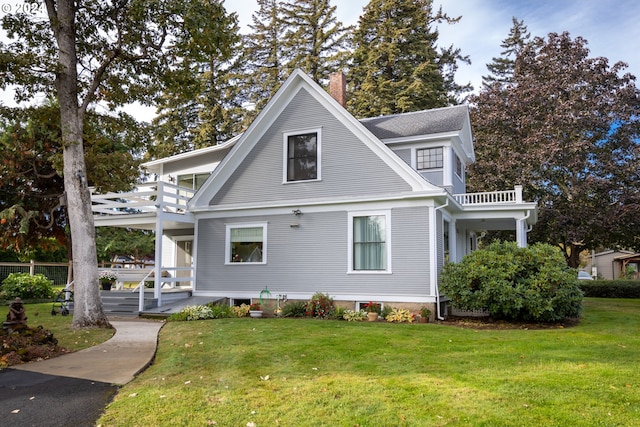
pixel 155 166
pixel 297 81
pixel 446 121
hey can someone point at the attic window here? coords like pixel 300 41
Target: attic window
pixel 458 167
pixel 302 156
pixel 429 158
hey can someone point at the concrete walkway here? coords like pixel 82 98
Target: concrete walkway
pixel 116 361
pixel 74 389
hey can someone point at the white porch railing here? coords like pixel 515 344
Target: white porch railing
pixel 490 197
pixel 149 197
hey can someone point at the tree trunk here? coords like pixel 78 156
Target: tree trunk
pixel 87 304
pixel 572 255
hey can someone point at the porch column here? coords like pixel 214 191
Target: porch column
pixel 157 279
pixel 521 232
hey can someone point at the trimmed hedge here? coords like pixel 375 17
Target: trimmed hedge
pixel 610 288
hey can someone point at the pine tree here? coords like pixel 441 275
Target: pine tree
pixel 263 56
pixel 202 107
pixel 315 40
pixel 502 67
pixel 396 65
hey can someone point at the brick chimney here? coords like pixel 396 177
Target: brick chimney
pixel 338 87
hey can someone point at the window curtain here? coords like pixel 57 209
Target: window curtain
pixel 369 246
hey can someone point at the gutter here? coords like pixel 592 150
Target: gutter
pixel 435 247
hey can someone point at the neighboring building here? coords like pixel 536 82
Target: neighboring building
pixel 309 199
pixel 613 265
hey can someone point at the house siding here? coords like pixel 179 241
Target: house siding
pixel 347 166
pixel 313 258
pixel 206 162
pixel 404 154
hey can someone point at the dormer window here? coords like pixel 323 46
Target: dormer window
pixel 429 158
pixel 458 166
pixel 302 151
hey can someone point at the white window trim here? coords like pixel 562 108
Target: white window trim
pixel 227 242
pixel 351 215
pixel 285 151
pixel 442 147
pixel 457 159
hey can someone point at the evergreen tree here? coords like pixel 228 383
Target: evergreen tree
pixel 396 65
pixel 263 57
pixel 502 67
pixel 315 40
pixel 202 107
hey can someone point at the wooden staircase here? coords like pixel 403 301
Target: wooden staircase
pixel 125 303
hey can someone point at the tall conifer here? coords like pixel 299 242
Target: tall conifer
pixel 396 64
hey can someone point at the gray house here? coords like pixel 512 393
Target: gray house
pixel 310 199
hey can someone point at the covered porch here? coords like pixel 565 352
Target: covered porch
pixel 477 213
pixel 160 207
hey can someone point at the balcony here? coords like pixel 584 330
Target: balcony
pixel 140 208
pixel 491 197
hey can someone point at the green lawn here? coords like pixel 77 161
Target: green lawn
pixel 293 372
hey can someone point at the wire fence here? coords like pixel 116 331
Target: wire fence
pixel 60 273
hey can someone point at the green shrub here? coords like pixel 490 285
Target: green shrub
pixel 386 310
pixel 512 283
pixel 203 312
pixel 221 311
pixel 294 309
pixel 320 306
pixel 610 288
pixel 337 313
pixel 25 286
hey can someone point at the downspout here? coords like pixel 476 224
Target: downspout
pixel 434 260
pixel 527 229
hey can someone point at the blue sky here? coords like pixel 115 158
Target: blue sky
pixel 610 26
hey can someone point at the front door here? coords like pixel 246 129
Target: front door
pixel 184 258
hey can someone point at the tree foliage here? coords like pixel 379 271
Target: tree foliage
pixel 502 67
pixel 396 63
pixel 112 241
pixel 315 41
pixel 286 35
pixel 568 129
pixel 32 208
pixel 108 52
pixel 199 103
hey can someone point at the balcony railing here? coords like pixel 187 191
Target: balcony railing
pixel 490 197
pixel 150 197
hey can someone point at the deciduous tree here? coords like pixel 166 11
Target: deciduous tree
pixel 108 52
pixel 568 129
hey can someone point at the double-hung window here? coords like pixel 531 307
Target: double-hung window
pixel 429 158
pixel 369 242
pixel 302 156
pixel 246 243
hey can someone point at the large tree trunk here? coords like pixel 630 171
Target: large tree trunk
pixel 87 304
